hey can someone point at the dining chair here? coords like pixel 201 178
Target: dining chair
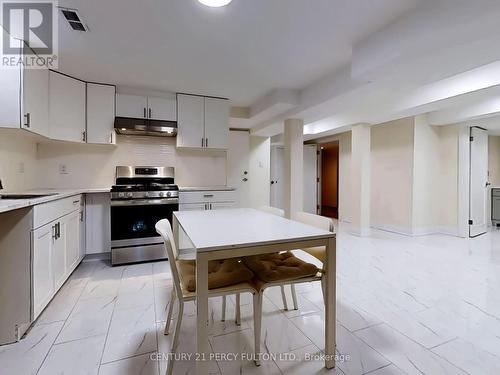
pixel 287 269
pixel 228 276
pixel 274 211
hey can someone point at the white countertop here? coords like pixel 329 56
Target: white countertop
pixel 14 204
pixel 206 188
pixel 224 229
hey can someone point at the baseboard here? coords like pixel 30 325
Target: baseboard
pixel 417 232
pixel 393 229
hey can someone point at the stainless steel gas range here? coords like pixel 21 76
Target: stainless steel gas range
pixel 140 198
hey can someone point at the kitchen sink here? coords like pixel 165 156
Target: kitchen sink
pixel 24 196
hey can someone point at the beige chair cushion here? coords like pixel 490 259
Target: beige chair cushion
pixel 221 273
pixel 319 252
pixel 279 267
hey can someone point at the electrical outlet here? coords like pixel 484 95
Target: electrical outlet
pixel 63 169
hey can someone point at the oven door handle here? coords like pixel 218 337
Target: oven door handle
pixel 144 202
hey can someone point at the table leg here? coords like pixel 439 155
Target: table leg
pixel 202 351
pixel 175 231
pixel 330 303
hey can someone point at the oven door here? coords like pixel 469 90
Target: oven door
pixel 133 222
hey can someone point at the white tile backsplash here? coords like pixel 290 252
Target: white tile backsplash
pixel 93 166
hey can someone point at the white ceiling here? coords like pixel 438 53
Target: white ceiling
pixel 242 51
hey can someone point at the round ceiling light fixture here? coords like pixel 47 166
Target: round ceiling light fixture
pixel 215 3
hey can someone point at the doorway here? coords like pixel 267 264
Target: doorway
pixel 330 179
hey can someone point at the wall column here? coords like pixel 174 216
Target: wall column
pixel 360 179
pixel 293 166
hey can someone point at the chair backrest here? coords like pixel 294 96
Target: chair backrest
pixel 272 210
pixel 317 221
pixel 164 229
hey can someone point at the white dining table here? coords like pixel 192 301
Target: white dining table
pixel 232 233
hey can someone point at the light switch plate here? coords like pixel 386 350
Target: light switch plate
pixel 63 169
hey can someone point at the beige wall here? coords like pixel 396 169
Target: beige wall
pixel 494 159
pixel 17 161
pixel 94 166
pixel 392 175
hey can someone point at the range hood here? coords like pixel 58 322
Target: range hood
pixel 140 126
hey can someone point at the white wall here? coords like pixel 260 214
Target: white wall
pixel 392 175
pixel 17 161
pixel 494 160
pixel 448 180
pixel 259 171
pixel 94 165
pixel 426 174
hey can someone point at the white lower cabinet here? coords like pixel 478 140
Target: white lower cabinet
pixel 55 248
pixel 43 279
pixel 203 201
pixel 71 225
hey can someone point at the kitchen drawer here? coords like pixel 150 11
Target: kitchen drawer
pixel 206 196
pixel 46 212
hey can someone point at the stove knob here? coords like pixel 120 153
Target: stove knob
pixel 130 195
pixel 161 194
pixel 121 195
pixel 169 194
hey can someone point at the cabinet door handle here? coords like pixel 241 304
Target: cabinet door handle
pixel 144 112
pixel 84 136
pixel 28 119
pixel 203 142
pixel 54 232
pixel 206 142
pixel 208 195
pixel 150 113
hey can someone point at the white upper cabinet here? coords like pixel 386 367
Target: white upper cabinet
pixel 24 98
pixel 35 106
pixel 216 123
pixel 202 122
pixel 67 108
pixel 133 106
pixel 190 121
pixel 162 108
pixel 100 113
pixel 149 107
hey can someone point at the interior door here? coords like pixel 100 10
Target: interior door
pixel 310 179
pixel 238 166
pixel 478 181
pixel 277 177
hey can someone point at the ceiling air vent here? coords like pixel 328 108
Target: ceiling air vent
pixel 74 20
